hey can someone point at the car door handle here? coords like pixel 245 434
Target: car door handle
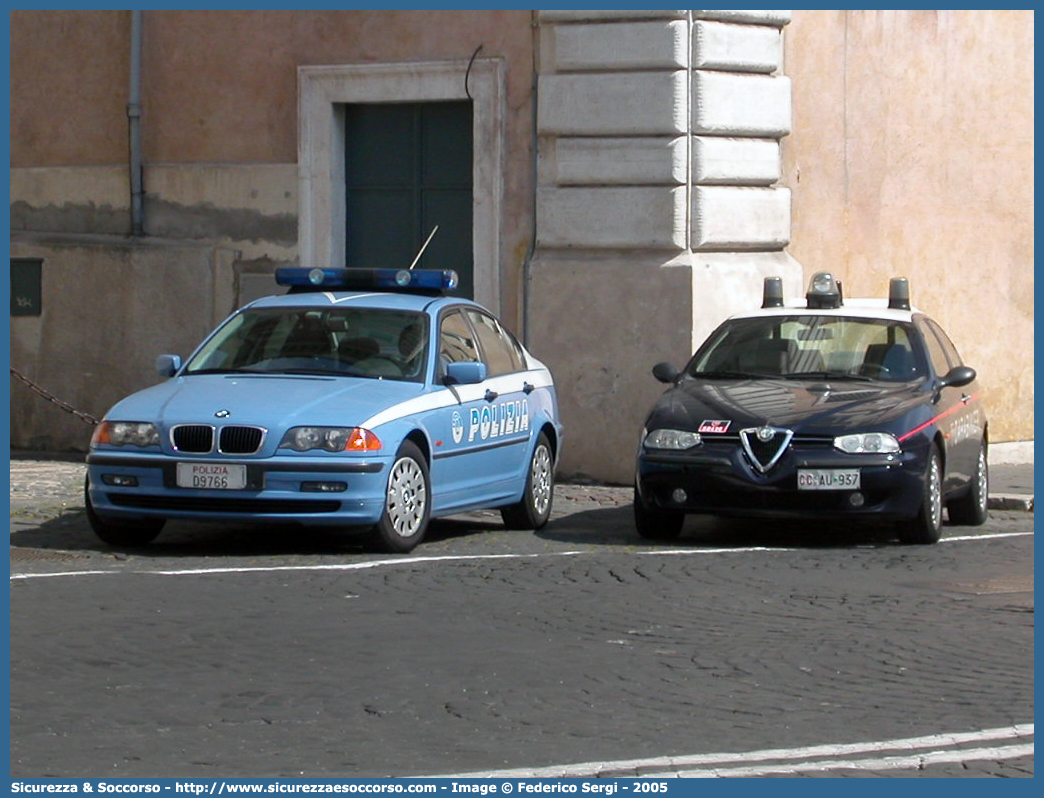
pixel 527 388
pixel 491 395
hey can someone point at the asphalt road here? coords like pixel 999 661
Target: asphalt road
pixel 742 649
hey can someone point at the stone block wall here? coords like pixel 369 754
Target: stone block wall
pixel 659 208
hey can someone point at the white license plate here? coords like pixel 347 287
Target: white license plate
pixel 212 476
pixel 828 479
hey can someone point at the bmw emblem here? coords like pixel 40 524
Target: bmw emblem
pixel 226 414
pixel 765 434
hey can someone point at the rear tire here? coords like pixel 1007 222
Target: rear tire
pixel 123 534
pixel 535 508
pixel 971 508
pixel 407 505
pixel 656 524
pixel 926 527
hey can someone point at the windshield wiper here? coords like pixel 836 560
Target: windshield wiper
pixel 224 371
pixel 827 375
pixel 732 375
pixel 311 372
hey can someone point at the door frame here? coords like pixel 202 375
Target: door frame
pixel 323 93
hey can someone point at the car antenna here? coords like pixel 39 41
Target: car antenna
pixel 424 246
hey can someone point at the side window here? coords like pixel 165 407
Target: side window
pixel 940 364
pixel 516 347
pixel 947 344
pixel 501 354
pixel 455 340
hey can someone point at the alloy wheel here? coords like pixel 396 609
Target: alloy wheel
pixel 541 476
pixel 407 497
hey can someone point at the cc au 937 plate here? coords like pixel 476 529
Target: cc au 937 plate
pixel 212 476
pixel 828 479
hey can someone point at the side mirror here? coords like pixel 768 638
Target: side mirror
pixel 958 376
pixel 468 372
pixel 168 365
pixel 665 372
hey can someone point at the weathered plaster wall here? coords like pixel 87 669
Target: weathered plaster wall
pixel 250 208
pixel 69 78
pixel 220 119
pixel 251 115
pixel 220 142
pixel 100 330
pixel 912 154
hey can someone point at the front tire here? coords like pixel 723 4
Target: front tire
pixel 535 508
pixel 407 505
pixel 122 534
pixel 971 508
pixel 926 526
pixel 656 524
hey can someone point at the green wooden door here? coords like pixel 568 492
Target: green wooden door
pixel 408 168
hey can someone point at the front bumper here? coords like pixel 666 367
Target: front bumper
pixel 718 479
pixel 276 489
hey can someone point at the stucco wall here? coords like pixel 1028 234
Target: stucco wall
pixel 69 79
pixel 99 332
pixel 220 118
pixel 912 154
pixel 220 133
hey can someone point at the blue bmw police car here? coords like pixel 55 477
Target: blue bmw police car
pixel 367 399
pixel 823 408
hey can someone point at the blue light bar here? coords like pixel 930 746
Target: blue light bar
pixel 305 279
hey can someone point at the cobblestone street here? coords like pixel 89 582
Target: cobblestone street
pixel 224 650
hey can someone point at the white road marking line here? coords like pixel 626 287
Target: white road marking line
pixel 818 752
pixel 960 538
pixel 62 573
pixel 913 761
pixel 356 566
pixel 278 568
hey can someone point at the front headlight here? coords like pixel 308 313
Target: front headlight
pixel 330 439
pixel 126 433
pixel 675 439
pixel 867 443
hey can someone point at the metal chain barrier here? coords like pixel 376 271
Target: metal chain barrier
pixel 87 418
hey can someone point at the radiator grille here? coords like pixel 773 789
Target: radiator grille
pixel 196 438
pixel 765 452
pixel 241 440
pixel 199 439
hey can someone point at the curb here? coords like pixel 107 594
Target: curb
pixel 1010 501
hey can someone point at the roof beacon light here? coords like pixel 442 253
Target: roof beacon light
pixel 431 281
pixel 899 293
pixel 823 292
pixel 772 295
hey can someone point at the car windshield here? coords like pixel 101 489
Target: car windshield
pixel 359 342
pixel 810 347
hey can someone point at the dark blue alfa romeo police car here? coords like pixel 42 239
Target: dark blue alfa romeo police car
pixel 824 408
pixel 364 399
